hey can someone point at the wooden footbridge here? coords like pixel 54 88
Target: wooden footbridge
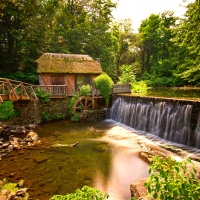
pixel 16 90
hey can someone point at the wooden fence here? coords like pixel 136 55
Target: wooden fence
pixel 55 91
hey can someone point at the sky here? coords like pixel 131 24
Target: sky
pixel 139 10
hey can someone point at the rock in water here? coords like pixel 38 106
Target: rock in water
pixel 31 136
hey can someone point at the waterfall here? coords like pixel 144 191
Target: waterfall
pixel 197 133
pixel 168 121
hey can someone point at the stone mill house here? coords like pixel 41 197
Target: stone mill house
pixel 62 74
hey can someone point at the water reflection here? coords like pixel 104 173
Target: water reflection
pixel 99 161
pixel 193 94
pixel 126 168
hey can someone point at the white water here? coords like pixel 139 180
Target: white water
pixel 197 133
pixel 167 121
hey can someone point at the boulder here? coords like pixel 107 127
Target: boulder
pixel 10 148
pixel 57 133
pixel 21 183
pixel 138 190
pixel 21 192
pixel 31 136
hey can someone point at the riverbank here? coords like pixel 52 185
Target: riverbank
pixel 35 165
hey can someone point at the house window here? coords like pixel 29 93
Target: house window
pixel 57 80
pixel 82 80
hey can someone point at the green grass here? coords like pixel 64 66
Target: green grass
pixel 6 111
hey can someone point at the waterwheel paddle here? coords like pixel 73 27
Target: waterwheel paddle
pixel 84 103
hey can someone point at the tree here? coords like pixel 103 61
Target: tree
pixel 22 29
pixel 30 28
pixel 127 75
pixel 98 41
pixel 188 38
pixel 125 38
pixel 157 48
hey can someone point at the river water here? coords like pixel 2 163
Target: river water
pixel 107 157
pixel 177 93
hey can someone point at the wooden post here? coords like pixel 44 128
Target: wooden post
pixel 1 100
pixel 93 90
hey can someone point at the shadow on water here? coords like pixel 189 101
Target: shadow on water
pixel 95 162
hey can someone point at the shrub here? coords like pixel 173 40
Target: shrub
pixel 105 84
pixel 75 118
pixel 72 101
pixel 139 87
pixel 127 74
pixel 7 112
pixel 171 180
pixel 86 192
pixel 85 89
pixel 45 116
pixel 61 116
pixel 43 96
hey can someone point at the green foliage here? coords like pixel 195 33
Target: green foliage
pixel 75 118
pixel 166 47
pixel 138 87
pixel 12 187
pixel 43 96
pixel 86 192
pixel 187 37
pixel 61 116
pixel 72 101
pixel 152 80
pixel 105 84
pixel 82 25
pixel 7 112
pixel 85 89
pixel 126 74
pixel 124 40
pixel 171 179
pixel 159 51
pixel 45 116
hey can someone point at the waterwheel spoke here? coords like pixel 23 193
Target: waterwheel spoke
pixel 82 104
pixel 89 105
pixel 86 100
pixel 77 107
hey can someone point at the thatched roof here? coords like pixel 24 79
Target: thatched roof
pixel 67 63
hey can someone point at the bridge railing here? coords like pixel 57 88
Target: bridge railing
pixel 15 90
pixel 55 91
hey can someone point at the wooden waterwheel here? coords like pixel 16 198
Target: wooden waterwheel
pixel 84 103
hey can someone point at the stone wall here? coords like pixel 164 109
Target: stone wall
pixel 55 109
pixel 93 115
pixel 27 112
pixel 34 112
